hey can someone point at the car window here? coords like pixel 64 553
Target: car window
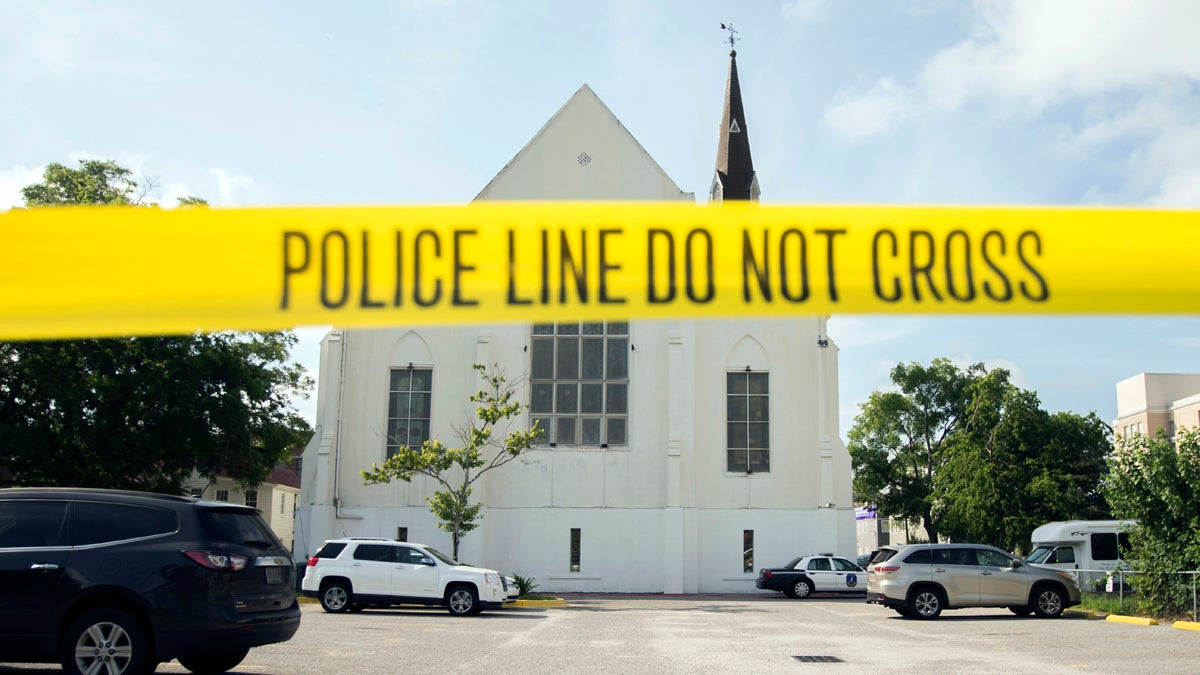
pixel 410 556
pixel 238 526
pixel 993 558
pixel 32 523
pixel 792 565
pixel 375 552
pixel 443 557
pixel 883 555
pixel 843 565
pixel 99 523
pixel 1064 554
pixel 819 564
pixel 331 549
pixel 920 556
pixel 953 556
pixel 1040 554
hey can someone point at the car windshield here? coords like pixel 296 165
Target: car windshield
pixel 1039 554
pixel 442 556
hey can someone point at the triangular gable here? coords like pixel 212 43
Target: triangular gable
pixel 583 153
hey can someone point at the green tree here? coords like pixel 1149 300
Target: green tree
pixel 143 412
pixel 898 441
pixel 1156 481
pixel 1013 466
pixel 457 469
pixel 974 457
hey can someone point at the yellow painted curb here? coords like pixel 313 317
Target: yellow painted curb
pixel 556 602
pixel 1186 625
pixel 1137 620
pixel 1083 614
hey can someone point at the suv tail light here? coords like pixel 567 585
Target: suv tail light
pixel 216 560
pixel 886 568
pixel 312 562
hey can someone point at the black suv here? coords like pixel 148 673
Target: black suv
pixel 115 582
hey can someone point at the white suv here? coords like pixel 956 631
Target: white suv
pixel 353 573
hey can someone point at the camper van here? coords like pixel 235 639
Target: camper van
pixel 1086 548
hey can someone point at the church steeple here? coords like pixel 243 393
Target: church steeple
pixel 735 178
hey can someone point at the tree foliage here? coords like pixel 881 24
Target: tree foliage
pixel 143 412
pixel 897 443
pixel 485 446
pixel 1156 481
pixel 974 457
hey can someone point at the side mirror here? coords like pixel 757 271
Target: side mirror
pixel 427 561
pixel 1017 563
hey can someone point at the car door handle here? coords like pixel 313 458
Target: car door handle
pixel 43 566
pixel 939 569
pixel 985 573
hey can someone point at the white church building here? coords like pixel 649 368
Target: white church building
pixel 681 455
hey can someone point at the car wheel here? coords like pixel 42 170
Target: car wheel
pixel 216 662
pixel 926 604
pixel 336 597
pixel 1021 611
pixel 802 589
pixel 106 640
pixel 462 601
pixel 1049 603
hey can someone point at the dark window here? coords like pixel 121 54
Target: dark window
pixel 579 382
pixel 1064 554
pixel 222 495
pixel 988 558
pixel 575 546
pixel 953 556
pixel 747 419
pixel 410 556
pixel 410 397
pixel 25 524
pixel 401 534
pixel 95 523
pixel 747 550
pixel 239 527
pixel 252 498
pixel 842 565
pixel 920 556
pixel 819 565
pixel 376 553
pixel 1104 546
pixel 331 549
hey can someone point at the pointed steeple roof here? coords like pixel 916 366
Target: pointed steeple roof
pixel 735 178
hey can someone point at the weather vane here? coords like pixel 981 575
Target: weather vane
pixel 732 34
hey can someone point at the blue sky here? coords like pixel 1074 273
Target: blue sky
pixel 424 101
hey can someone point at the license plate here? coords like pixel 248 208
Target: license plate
pixel 274 575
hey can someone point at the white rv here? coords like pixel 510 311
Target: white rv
pixel 1087 548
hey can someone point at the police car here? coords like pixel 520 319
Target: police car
pixel 822 573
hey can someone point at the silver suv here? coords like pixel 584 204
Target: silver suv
pixel 923 579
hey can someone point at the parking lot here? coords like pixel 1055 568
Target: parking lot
pixel 753 634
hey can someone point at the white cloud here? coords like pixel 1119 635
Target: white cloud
pixel 1035 53
pixel 228 184
pixel 11 182
pixel 858 115
pixel 803 13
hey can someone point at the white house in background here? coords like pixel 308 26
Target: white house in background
pixel 681 454
pixel 277 497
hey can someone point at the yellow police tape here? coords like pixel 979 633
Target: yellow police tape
pixel 72 272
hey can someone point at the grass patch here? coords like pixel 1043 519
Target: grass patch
pixel 537 596
pixel 1111 603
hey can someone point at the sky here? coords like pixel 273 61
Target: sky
pixel 1049 102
